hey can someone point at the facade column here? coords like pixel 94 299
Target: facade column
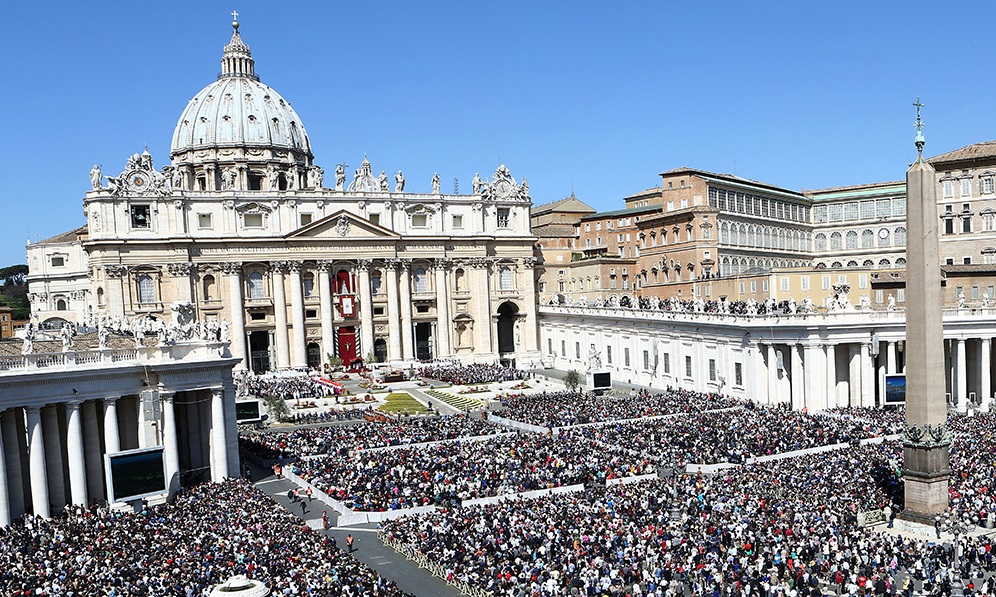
pixel 815 399
pixel 867 376
pixel 74 449
pixel 482 323
pixel 299 351
pixel 219 443
pixel 36 452
pixel 170 449
pixel 442 332
pixel 53 456
pixel 393 311
pixel 772 374
pixel 986 387
pixel 407 335
pixel 759 375
pixel 325 304
pixel 277 270
pixel 529 292
pixel 798 390
pixel 112 439
pixel 233 276
pixel 13 477
pixel 94 458
pixel 853 375
pixel 961 370
pixel 890 358
pixel 831 377
pixel 366 309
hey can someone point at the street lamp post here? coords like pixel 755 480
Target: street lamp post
pixel 957 526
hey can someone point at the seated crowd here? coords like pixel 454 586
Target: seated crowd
pixel 179 549
pixel 446 474
pixel 298 387
pixel 460 374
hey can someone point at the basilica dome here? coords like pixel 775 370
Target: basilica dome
pixel 239 118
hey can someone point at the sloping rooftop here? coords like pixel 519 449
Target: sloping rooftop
pixel 568 204
pixel 732 178
pixel 66 237
pixel 976 151
pixel 553 231
pixel 630 211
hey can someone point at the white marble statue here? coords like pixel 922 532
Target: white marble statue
pixel 228 176
pixel 891 305
pixel 985 298
pixel 103 335
pixel 477 183
pixel 382 180
pixel 226 335
pixel 340 176
pixel 28 344
pixel 317 177
pixel 67 334
pixel 273 178
pixel 961 299
pixel 95 177
pixel 177 178
pixel 865 303
pixel 594 358
pixel 435 183
pixel 792 307
pixel 399 182
pixel 291 178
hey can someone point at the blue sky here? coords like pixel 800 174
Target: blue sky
pixel 601 96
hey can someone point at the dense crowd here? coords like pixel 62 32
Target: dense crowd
pixel 559 409
pixel 344 439
pixel 732 435
pixel 298 387
pixel 460 374
pixel 179 549
pixel 773 530
pixel 973 478
pixel 448 473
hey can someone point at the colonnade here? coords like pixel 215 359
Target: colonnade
pixel 52 455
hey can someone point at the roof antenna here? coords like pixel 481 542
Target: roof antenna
pixel 572 186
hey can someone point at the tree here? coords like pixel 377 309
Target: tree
pixel 572 380
pixel 13 275
pixel 276 407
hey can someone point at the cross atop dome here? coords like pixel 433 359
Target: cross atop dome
pixel 237 59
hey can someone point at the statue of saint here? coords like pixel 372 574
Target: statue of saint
pixel 177 179
pixel 95 177
pixel 382 179
pixel 317 177
pixel 228 179
pixel 273 178
pixel 477 183
pixel 435 183
pixel 399 182
pixel 67 333
pixel 28 345
pixel 340 176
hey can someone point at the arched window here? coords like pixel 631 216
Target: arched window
pixel 460 280
pixel 60 305
pixel 885 264
pixel 899 236
pixel 852 240
pixel 208 284
pixel 868 263
pixel 867 239
pixel 342 282
pixel 836 243
pixel 724 233
pixel 852 263
pixel 256 285
pixel 421 282
pixel 836 265
pixel 901 262
pixel 146 290
pixel 308 284
pixel 505 278
pixel 100 297
pixel 820 242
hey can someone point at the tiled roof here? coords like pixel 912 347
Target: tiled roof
pixel 976 151
pixel 65 237
pixel 582 207
pixel 554 231
pixel 623 212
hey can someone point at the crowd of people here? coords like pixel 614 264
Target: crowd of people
pixel 459 374
pixel 179 549
pixel 286 387
pixel 446 474
pixel 560 409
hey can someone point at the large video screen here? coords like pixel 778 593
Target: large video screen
pixel 895 388
pixel 601 381
pixel 247 411
pixel 135 474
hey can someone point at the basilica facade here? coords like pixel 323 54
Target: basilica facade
pixel 246 227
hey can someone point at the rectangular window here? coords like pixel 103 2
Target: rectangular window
pixel 626 357
pixel 738 374
pixel 667 363
pixel 966 260
pixel 306 219
pixel 900 295
pixel 987 185
pixel 688 366
pixel 608 355
pixel 784 283
pixel 826 283
pixel 764 285
pixel 742 288
pixel 959 290
pixel 58 261
pixel 378 311
pixel 458 222
pixel 374 219
pixel 563 348
pixel 549 345
pixel 862 280
pixel 753 285
pixel 966 187
pixel 966 224
pixel 311 313
pixel 804 283
pixel 975 293
pixel 712 369
pixel 420 221
pixel 577 350
pixel 992 291
pixel 948 187
pixel 253 220
pixel 646 360
pixel 140 216
pixel 879 296
pixel 204 221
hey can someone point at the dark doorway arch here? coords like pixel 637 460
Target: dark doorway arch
pixel 380 350
pixel 507 314
pixel 314 355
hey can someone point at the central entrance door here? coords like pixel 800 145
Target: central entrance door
pixel 347 344
pixel 423 341
pixel 259 351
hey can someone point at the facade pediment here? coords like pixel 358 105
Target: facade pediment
pixel 342 225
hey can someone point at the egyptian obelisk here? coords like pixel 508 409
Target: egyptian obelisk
pixel 926 442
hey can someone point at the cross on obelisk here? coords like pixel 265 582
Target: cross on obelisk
pixel 926 441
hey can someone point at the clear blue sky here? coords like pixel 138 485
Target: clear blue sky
pixel 600 95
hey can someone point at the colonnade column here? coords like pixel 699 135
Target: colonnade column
pixel 4 500
pixel 92 455
pixel 815 384
pixel 407 342
pixel 170 449
pixel 393 311
pixel 53 456
pixel 890 358
pixel 13 480
pixel 112 439
pixel 74 449
pixel 532 326
pixel 867 376
pixel 798 392
pixel 854 376
pixel 482 323
pixel 442 334
pixel 325 304
pixel 277 270
pixel 961 370
pixel 759 379
pixel 299 352
pixel 219 443
pixel 831 378
pixel 233 275
pixel 986 388
pixel 366 309
pixel 36 453
pixel 772 361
